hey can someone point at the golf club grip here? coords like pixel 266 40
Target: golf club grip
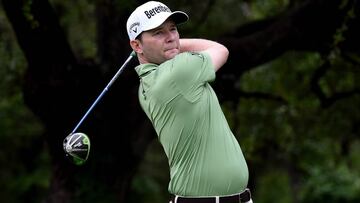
pixel 132 54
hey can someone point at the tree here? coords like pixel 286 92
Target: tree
pixel 59 85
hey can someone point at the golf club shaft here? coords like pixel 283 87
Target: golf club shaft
pixel 104 91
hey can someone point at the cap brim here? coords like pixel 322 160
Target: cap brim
pixel 179 17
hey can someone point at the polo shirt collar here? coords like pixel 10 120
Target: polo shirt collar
pixel 144 69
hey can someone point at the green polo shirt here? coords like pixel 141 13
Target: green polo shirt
pixel 204 156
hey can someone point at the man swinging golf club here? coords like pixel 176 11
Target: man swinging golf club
pixel 205 159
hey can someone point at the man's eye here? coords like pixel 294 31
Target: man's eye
pixel 158 33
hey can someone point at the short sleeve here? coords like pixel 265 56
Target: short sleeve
pixel 191 72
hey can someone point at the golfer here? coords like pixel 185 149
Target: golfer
pixel 206 162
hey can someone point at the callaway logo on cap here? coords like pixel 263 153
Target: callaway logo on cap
pixel 151 15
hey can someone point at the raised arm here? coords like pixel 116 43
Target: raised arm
pixel 218 52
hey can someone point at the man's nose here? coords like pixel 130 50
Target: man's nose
pixel 170 36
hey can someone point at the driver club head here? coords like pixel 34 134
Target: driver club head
pixel 77 147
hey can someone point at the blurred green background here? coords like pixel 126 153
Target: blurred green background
pixel 301 150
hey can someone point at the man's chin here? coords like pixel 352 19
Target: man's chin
pixel 172 53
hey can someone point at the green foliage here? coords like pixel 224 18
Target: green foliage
pixel 336 183
pixel 12 62
pixel 210 19
pixel 301 133
pixel 271 184
pixel 24 170
pixel 288 77
pixel 78 20
pixel 150 183
pixel 28 15
pixel 24 161
pixel 261 9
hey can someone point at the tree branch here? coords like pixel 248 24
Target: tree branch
pixel 301 28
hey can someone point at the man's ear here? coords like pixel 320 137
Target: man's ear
pixel 136 46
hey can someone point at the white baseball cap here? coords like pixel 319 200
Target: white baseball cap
pixel 151 15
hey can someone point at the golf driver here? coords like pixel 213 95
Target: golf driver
pixel 77 145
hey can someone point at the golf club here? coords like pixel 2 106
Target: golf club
pixel 77 145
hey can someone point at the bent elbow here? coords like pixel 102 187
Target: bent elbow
pixel 226 53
